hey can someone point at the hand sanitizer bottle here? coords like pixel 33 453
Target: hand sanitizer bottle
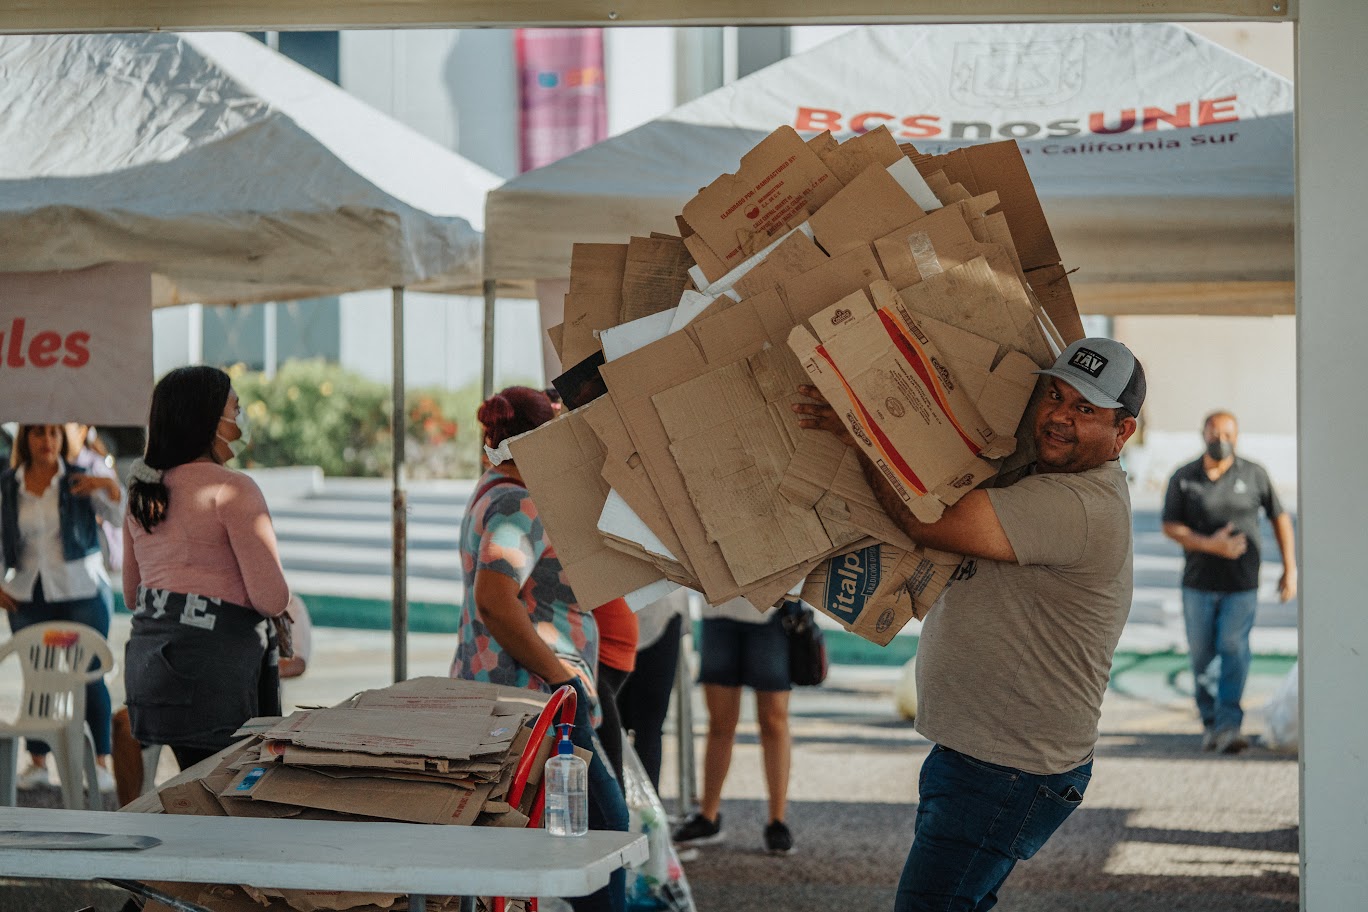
pixel 567 789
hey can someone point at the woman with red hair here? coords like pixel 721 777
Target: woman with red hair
pixel 520 624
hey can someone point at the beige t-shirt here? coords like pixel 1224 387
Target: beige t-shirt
pixel 1013 663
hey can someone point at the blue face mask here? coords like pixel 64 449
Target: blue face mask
pixel 237 446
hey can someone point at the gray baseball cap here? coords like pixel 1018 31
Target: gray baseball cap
pixel 1104 371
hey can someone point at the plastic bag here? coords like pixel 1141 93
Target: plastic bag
pixel 659 881
pixel 1281 712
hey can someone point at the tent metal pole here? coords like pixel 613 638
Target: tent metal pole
pixel 399 554
pixel 487 381
pixel 684 725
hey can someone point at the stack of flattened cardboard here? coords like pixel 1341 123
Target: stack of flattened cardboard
pixel 428 750
pixel 917 292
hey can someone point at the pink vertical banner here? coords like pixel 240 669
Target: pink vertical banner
pixel 562 96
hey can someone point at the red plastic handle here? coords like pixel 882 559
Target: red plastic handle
pixel 564 701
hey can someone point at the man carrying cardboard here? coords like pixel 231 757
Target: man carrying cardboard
pixel 1013 662
pixel 1212 509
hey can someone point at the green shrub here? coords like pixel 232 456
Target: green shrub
pixel 315 413
pixel 319 413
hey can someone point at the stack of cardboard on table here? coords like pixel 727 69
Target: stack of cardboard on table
pixel 917 292
pixel 428 750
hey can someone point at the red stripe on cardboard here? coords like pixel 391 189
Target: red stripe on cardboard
pixel 881 441
pixel 913 354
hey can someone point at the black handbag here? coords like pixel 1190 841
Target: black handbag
pixel 807 647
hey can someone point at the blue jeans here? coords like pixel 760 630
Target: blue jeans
pixel 96 612
pixel 607 806
pixel 975 821
pixel 1218 624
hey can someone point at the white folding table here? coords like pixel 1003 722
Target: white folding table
pixel 299 854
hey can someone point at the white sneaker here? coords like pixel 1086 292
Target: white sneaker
pixel 104 779
pixel 1229 741
pixel 32 778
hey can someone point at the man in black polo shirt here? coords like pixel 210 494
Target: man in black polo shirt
pixel 1212 511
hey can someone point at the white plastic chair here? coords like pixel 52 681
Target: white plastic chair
pixel 56 660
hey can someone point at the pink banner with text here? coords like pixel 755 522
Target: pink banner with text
pixel 562 96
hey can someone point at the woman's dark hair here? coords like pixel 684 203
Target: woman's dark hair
pixel 186 407
pixel 513 411
pixel 22 455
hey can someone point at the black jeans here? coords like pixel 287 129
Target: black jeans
pixel 187 757
pixel 610 683
pixel 644 700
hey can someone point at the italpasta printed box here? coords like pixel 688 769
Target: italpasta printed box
pixel 875 591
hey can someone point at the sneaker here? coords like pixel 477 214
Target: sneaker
pixel 104 779
pixel 1208 741
pixel 32 778
pixel 699 830
pixel 1229 741
pixel 778 839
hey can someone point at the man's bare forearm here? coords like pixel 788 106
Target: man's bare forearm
pixel 970 526
pixel 888 498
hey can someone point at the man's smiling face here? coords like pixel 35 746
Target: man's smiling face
pixel 1073 435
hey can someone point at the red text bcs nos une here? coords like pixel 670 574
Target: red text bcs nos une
pixel 44 349
pixel 929 126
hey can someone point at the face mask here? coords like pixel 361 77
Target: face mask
pixel 1220 450
pixel 237 446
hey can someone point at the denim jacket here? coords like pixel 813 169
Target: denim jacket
pixel 80 529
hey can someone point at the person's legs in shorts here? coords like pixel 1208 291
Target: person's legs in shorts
pixel 975 821
pixel 765 669
pixel 720 674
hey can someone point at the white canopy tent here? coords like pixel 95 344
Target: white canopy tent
pixel 238 176
pixel 1164 161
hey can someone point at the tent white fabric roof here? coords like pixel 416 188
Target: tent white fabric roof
pixel 1166 219
pixel 237 174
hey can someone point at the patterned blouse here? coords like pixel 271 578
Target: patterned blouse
pixel 502 533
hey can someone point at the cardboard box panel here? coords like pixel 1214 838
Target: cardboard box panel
pixel 381 731
pixel 390 799
pixel 779 180
pixel 625 473
pixel 999 166
pixel 707 344
pixel 655 274
pixel 891 385
pixel 562 464
pixel 594 301
pixel 733 438
pixel 867 208
pixel 949 232
pixel 849 159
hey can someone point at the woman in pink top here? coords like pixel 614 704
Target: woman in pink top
pixel 201 575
